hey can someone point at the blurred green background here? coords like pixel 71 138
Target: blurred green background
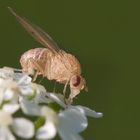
pixel 105 36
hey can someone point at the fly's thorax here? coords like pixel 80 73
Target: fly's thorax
pixel 72 63
pixel 62 66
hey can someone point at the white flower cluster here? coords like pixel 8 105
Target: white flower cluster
pixel 28 111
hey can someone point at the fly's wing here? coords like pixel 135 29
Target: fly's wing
pixel 37 33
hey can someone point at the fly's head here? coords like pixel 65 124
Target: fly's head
pixel 77 83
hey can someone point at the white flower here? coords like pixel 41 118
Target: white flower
pixel 29 108
pixel 5 134
pixel 40 94
pixel 21 127
pixel 71 123
pixel 8 89
pixel 19 84
pixel 68 123
pixel 48 130
pixel 5 121
pixel 22 79
pixel 58 98
pixel 31 90
pixel 24 84
pixel 10 108
pixel 6 73
pixel 9 94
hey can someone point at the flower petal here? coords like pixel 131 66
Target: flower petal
pixel 40 94
pixel 23 128
pixel 47 131
pixel 41 98
pixel 22 79
pixel 29 107
pixel 5 118
pixel 10 108
pixel 72 120
pixel 26 90
pixel 6 72
pixel 49 114
pixel 58 98
pixel 5 134
pixel 9 89
pixel 9 94
pixel 1 96
pixel 66 135
pixel 89 112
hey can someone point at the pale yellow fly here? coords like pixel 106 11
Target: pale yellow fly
pixel 51 62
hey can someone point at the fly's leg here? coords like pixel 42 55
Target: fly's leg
pixel 35 75
pixel 54 89
pixel 65 88
pixel 41 80
pixel 34 68
pixel 66 100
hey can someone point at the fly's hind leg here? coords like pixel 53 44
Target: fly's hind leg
pixel 54 89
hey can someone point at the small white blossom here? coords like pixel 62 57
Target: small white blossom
pixel 40 92
pixel 48 130
pixel 22 79
pixel 8 89
pixel 24 84
pixel 6 73
pixel 10 108
pixel 29 108
pixel 5 134
pixel 68 124
pixel 73 120
pixel 23 128
pixel 58 98
pixel 71 123
pixel 20 126
pixel 5 121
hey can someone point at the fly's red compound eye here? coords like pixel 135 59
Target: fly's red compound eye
pixel 76 81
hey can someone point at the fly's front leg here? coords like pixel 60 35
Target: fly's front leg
pixel 34 68
pixel 65 88
pixel 35 75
